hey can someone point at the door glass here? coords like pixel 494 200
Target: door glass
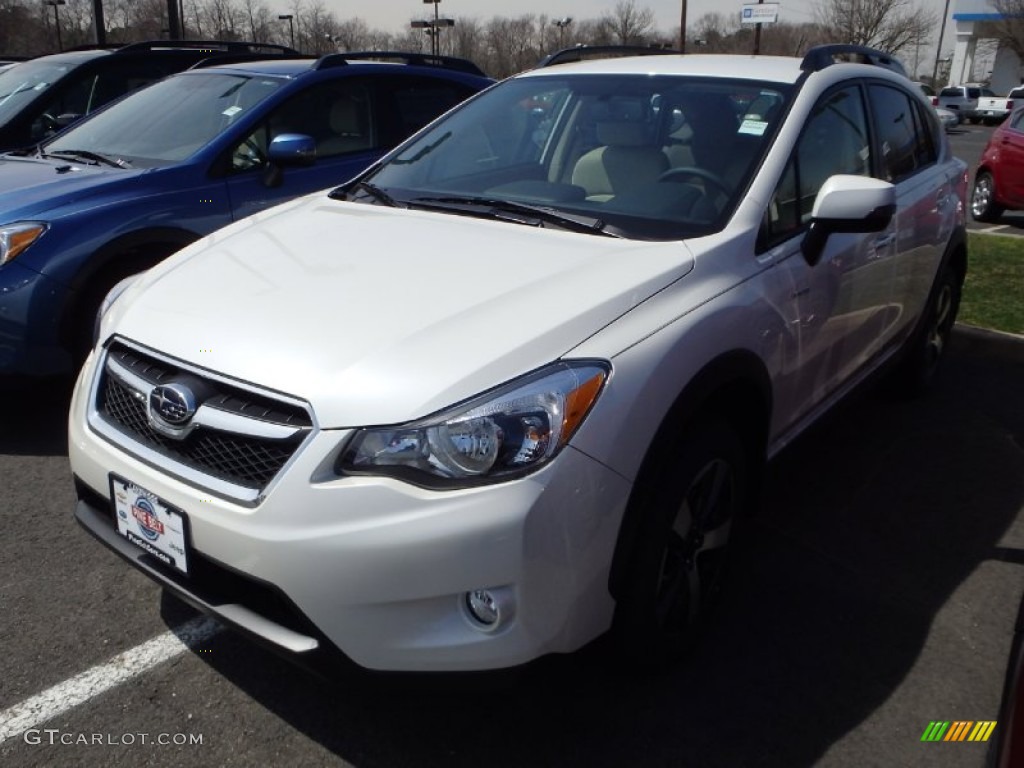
pixel 835 140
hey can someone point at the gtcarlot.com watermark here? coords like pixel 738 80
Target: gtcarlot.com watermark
pixel 55 736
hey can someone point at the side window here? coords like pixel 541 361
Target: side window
pixel 418 100
pixel 927 136
pixel 1017 122
pixel 338 115
pixel 89 90
pixel 834 140
pixel 898 132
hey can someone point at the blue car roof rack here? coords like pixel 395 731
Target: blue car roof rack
pixel 413 59
pixel 214 46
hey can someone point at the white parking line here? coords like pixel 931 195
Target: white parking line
pixel 91 683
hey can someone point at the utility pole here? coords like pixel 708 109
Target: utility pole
pixel 173 22
pixel 757 34
pixel 682 29
pixel 98 24
pixel 938 46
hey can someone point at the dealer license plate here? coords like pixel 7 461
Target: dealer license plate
pixel 150 524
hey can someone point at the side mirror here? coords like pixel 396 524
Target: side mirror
pixel 288 149
pixel 848 204
pixel 292 149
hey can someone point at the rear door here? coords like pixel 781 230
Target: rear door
pixel 907 147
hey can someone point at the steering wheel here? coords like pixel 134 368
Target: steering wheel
pixel 692 171
pixel 247 155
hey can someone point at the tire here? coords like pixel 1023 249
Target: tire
pixel 974 120
pixel 923 358
pixel 983 198
pixel 680 549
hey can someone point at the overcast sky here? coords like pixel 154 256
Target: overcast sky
pixel 394 15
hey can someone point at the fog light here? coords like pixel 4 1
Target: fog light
pixel 490 608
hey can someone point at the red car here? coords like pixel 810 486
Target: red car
pixel 999 180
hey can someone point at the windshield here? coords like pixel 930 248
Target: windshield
pixel 21 84
pixel 168 121
pixel 648 157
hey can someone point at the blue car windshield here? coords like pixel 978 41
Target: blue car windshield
pixel 21 84
pixel 170 120
pixel 653 157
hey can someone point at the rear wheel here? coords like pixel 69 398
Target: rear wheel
pixel 983 198
pixel 675 570
pixel 929 344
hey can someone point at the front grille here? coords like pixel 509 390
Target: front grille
pixel 246 460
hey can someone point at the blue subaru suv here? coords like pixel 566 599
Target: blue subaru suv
pixel 136 181
pixel 47 93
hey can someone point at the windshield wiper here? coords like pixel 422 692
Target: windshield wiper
pixel 84 154
pixel 521 213
pixel 372 190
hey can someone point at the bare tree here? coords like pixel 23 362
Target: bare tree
pixel 512 45
pixel 467 38
pixel 890 25
pixel 352 35
pixel 713 33
pixel 1009 30
pixel 258 21
pixel 628 24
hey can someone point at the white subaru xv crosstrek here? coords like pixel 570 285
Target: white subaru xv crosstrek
pixel 507 390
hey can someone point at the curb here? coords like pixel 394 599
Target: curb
pixel 986 333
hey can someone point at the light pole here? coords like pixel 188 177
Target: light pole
pixel 291 25
pixel 433 28
pixel 562 24
pixel 56 20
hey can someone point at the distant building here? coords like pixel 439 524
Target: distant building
pixel 976 55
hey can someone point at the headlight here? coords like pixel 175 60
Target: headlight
pixel 108 301
pixel 15 238
pixel 499 435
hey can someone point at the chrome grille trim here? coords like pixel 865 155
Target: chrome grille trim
pixel 219 427
pixel 206 416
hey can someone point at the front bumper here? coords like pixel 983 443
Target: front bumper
pixel 30 309
pixel 378 568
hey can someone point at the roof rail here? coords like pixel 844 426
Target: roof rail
pixel 223 59
pixel 821 56
pixel 93 47
pixel 412 59
pixel 214 46
pixel 581 52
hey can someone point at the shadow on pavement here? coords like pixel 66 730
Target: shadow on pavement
pixel 34 416
pixel 870 523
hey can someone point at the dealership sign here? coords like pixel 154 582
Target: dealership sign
pixel 762 13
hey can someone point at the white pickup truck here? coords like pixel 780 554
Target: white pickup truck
pixel 993 109
pixel 962 99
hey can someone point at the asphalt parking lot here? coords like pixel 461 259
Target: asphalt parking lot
pixel 876 592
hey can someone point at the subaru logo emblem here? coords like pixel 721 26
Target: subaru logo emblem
pixel 173 403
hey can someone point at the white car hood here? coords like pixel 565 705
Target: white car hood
pixel 378 315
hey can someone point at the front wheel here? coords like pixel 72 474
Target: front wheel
pixel 675 569
pixel 983 198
